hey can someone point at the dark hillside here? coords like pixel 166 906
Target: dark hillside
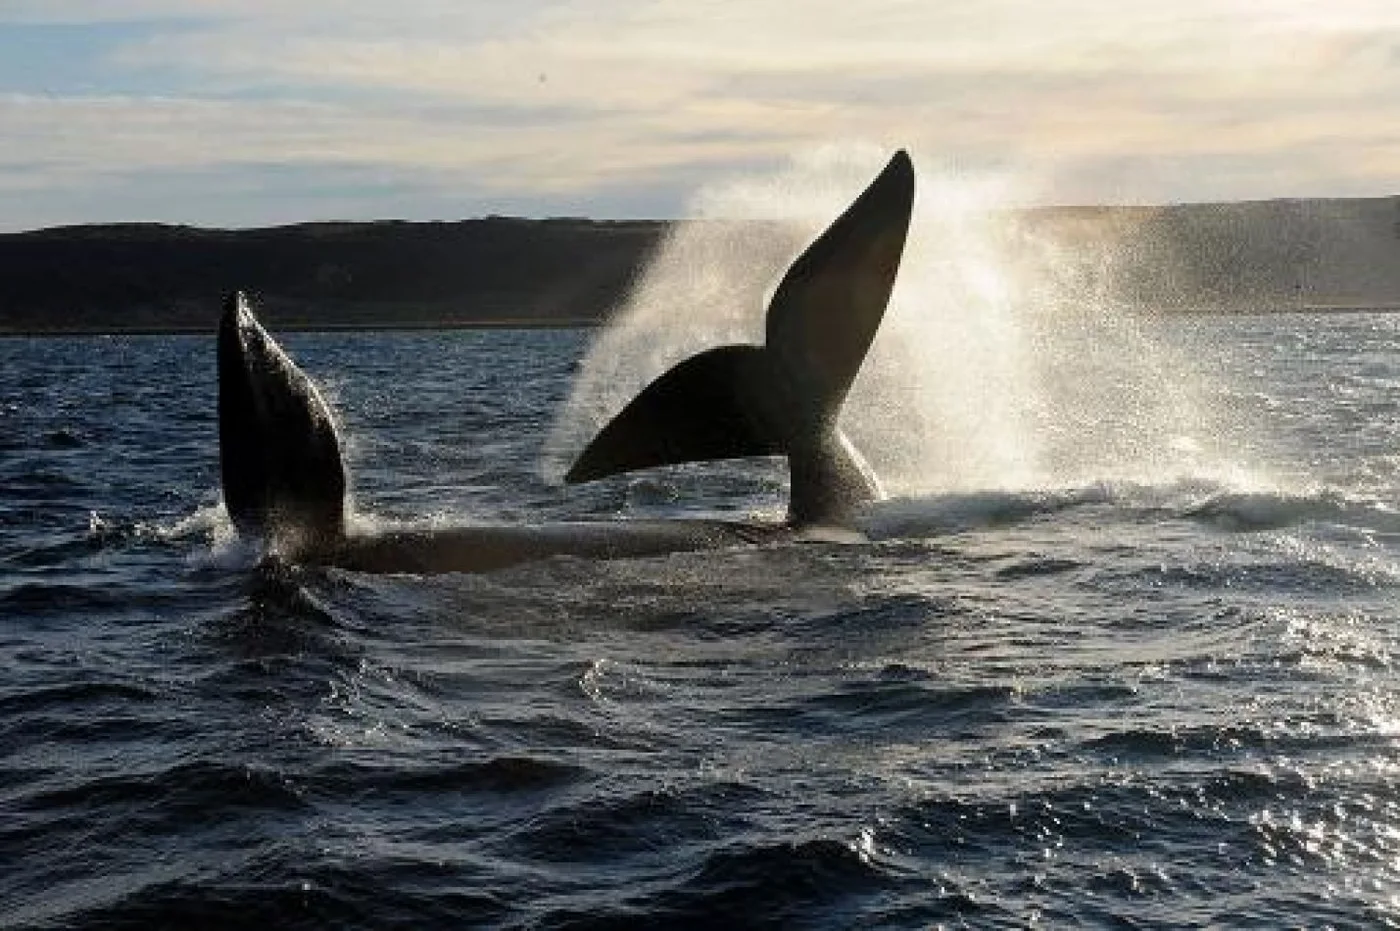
pixel 146 276
pixel 1256 256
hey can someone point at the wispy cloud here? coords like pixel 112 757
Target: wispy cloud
pixel 565 102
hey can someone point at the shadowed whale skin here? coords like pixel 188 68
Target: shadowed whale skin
pixel 285 482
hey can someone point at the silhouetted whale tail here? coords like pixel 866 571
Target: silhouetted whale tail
pixel 782 398
pixel 284 479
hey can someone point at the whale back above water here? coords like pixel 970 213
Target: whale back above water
pixel 285 481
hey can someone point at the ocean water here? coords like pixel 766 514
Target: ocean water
pixel 1146 677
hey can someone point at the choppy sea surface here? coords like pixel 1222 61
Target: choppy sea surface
pixel 1105 702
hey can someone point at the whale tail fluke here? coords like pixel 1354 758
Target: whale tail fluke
pixel 283 475
pixel 783 398
pixel 283 472
pixel 711 406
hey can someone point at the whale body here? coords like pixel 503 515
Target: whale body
pixel 285 482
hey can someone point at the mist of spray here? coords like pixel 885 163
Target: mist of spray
pixel 1002 362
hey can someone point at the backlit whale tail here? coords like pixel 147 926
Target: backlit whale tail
pixel 284 478
pixel 782 398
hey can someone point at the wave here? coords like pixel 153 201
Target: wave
pixel 796 880
pixel 952 513
pixel 41 697
pixel 285 886
pixel 1200 741
pixel 173 795
pixel 1221 506
pixel 1246 511
pixel 62 598
pixel 501 775
pixel 100 533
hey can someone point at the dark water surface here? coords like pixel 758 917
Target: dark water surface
pixel 1112 704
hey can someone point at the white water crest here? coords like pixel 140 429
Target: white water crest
pixel 1002 362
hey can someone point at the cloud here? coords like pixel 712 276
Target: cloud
pixel 566 98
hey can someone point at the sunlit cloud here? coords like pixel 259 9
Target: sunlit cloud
pixel 1094 101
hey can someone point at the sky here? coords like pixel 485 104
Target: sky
pixel 257 112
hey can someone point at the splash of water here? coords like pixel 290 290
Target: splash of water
pixel 1003 363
